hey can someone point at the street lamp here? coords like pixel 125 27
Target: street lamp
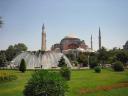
pixel 88 61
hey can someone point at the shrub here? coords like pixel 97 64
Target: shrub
pixel 44 83
pixel 62 62
pixel 118 66
pixel 97 69
pixel 22 67
pixel 7 76
pixel 65 73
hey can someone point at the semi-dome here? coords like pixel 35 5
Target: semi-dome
pixel 38 60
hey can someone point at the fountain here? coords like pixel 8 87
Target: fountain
pixel 46 60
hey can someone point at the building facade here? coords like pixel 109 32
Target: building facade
pixel 69 43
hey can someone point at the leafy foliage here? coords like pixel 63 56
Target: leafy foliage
pixel 2 59
pixel 83 59
pixel 102 56
pixel 66 73
pixel 22 66
pixel 13 51
pixel 44 83
pixel 93 61
pixel 62 62
pixel 122 57
pixel 97 69
pixel 118 66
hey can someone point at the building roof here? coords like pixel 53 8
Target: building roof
pixel 71 36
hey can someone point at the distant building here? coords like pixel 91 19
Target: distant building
pixel 70 43
pixel 126 46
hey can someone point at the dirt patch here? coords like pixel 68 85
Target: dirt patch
pixel 103 88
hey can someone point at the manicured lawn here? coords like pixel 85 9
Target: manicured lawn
pixel 82 83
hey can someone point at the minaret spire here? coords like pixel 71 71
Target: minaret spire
pixel 99 39
pixel 43 28
pixel 43 45
pixel 91 43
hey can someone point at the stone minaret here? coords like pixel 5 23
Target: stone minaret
pixel 43 45
pixel 99 39
pixel 91 43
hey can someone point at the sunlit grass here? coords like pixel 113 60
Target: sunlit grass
pixel 79 79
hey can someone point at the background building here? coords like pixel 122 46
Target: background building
pixel 70 43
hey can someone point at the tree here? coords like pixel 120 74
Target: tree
pixel 102 56
pixel 2 59
pixel 20 47
pixel 118 66
pixel 10 53
pixel 93 62
pixel 22 66
pixel 83 59
pixel 15 50
pixel 71 57
pixel 122 56
pixel 62 62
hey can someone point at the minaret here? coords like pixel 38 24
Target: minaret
pixel 99 39
pixel 43 45
pixel 91 43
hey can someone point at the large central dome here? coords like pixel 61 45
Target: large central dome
pixel 71 36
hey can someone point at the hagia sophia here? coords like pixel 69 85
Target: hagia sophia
pixel 70 43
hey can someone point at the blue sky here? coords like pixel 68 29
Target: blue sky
pixel 23 20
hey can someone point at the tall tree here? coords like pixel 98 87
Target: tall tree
pixel 10 53
pixel 83 59
pixel 2 59
pixel 102 56
pixel 20 47
pixel 122 56
pixel 13 51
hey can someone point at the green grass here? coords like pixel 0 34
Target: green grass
pixel 79 79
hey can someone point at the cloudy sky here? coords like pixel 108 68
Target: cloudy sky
pixel 23 20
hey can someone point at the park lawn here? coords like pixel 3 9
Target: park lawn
pixel 80 80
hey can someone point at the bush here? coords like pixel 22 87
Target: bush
pixel 118 66
pixel 62 62
pixel 7 76
pixel 65 73
pixel 22 67
pixel 44 83
pixel 97 69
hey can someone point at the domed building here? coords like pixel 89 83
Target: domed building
pixel 70 42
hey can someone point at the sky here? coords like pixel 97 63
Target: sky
pixel 23 20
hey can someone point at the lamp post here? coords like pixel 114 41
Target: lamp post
pixel 88 61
